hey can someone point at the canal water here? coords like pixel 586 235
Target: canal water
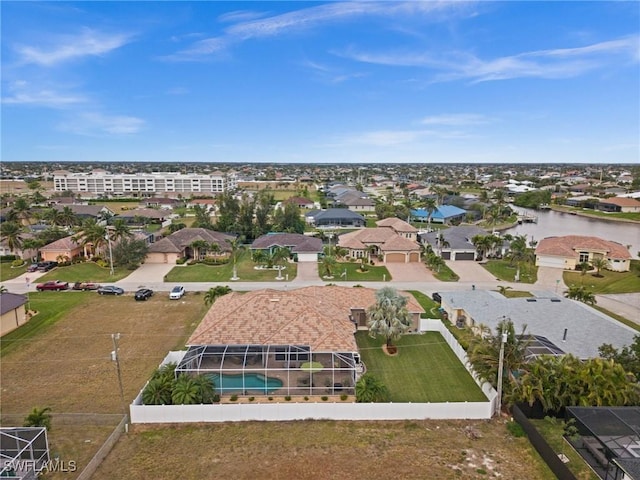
pixel 554 224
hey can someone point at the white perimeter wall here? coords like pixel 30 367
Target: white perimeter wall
pixel 324 410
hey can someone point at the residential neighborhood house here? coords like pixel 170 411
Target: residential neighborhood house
pixel 181 244
pixel 569 251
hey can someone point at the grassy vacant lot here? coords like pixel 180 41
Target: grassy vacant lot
pixel 85 272
pixel 118 207
pixel 609 282
pixel 505 271
pixel 354 274
pixel 223 273
pixel 7 272
pixel 323 450
pixel 61 359
pixel 424 370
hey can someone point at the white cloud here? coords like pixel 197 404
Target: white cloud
pixel 456 119
pixel 550 64
pixel 23 93
pixel 94 123
pixel 301 20
pixel 69 47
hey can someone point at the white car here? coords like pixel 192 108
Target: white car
pixel 177 292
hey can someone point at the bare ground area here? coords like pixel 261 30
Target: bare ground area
pixel 68 367
pixel 324 450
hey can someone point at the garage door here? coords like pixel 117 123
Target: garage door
pixel 546 261
pixel 464 256
pixel 414 257
pixel 155 257
pixel 446 255
pixel 395 258
pixel 307 257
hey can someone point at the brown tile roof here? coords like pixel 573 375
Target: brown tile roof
pixel 178 241
pixel 397 224
pixel 569 245
pixel 386 238
pixel 315 316
pixel 621 201
pixel 64 244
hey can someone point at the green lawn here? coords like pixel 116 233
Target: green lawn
pixel 552 431
pixel 51 306
pixel 506 272
pixel 610 282
pixel 425 369
pixel 517 294
pixel 429 305
pixel 85 272
pixel 588 212
pixel 445 274
pixel 354 274
pixel 223 273
pixel 7 273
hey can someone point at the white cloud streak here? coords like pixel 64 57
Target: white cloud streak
pixel 94 123
pixel 71 47
pixel 23 93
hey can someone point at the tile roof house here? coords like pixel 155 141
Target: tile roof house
pixel 456 242
pixel 179 245
pixel 619 204
pixel 66 247
pixel 323 317
pixel 302 247
pixel 12 311
pixel 393 239
pixel 569 251
pixel 85 211
pixel 301 202
pixel 335 218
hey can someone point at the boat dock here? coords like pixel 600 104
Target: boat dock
pixel 524 218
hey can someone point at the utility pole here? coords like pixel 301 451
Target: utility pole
pixel 110 254
pixel 115 357
pixel 500 368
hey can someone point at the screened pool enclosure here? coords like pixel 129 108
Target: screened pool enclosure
pixel 273 369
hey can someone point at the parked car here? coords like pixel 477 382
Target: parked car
pixel 143 294
pixel 52 285
pixel 86 286
pixel 32 268
pixel 177 292
pixel 46 266
pixel 110 290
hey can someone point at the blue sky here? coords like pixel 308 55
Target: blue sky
pixel 321 82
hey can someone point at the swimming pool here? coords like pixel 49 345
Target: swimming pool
pixel 250 382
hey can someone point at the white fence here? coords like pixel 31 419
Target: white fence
pixel 324 410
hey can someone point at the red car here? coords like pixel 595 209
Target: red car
pixel 52 285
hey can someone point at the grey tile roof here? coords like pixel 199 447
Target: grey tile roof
pixel 549 315
pixel 11 301
pixel 459 238
pixel 296 242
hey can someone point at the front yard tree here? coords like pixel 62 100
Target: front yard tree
pixel 288 219
pixel 214 293
pixel 581 294
pixel 389 316
pixel 129 253
pixel 12 235
pixel 628 356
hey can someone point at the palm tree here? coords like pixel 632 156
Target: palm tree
pixel 157 391
pixel 120 230
pixel 327 265
pixel 236 247
pixel 214 293
pixel 22 209
pixel 12 234
pixel 599 263
pixel 503 290
pixel 93 235
pixel 371 389
pixel 389 316
pixel 280 255
pixel 430 205
pixel 39 417
pixel 259 256
pixel 185 391
pixel 53 217
pixel 484 352
pixel 581 294
pixel 199 246
pixel 68 218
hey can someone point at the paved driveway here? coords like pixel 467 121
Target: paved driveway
pixel 307 272
pixel 409 272
pixel 471 272
pixel 550 279
pixel 147 274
